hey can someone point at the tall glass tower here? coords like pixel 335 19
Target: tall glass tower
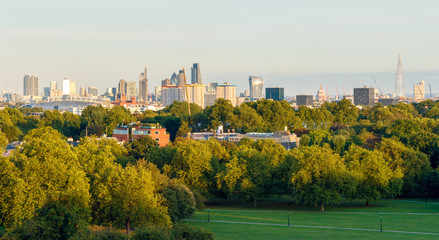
pixel 256 87
pixel 196 74
pixel 399 85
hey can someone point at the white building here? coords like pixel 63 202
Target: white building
pixel 227 92
pixel 65 86
pixel 195 94
pixel 171 94
pixel 419 91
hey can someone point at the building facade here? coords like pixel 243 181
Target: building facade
pixel 275 93
pixel 304 100
pixel 131 89
pixel 130 132
pixel 419 91
pixel 256 87
pixel 93 91
pixel 209 98
pixel 196 74
pixel 227 92
pixel 65 86
pixel 30 85
pixel 196 93
pixel 143 87
pixel 364 96
pixel 171 94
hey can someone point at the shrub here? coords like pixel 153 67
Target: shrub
pixel 185 231
pixel 152 233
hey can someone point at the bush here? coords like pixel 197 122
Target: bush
pixel 107 234
pixel 152 233
pixel 185 231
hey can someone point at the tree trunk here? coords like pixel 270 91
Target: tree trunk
pixel 322 208
pixel 367 203
pixel 128 226
pixel 254 202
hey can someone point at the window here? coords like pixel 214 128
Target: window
pixel 156 132
pixel 157 139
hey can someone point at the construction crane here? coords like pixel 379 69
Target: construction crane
pixel 381 92
pixel 187 98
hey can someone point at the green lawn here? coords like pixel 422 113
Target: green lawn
pixel 396 215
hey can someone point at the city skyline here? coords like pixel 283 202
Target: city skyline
pixel 299 44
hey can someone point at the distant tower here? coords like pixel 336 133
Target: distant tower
pixel 196 74
pixel 256 87
pixel 143 87
pixel 399 86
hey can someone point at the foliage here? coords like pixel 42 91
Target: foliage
pixel 139 148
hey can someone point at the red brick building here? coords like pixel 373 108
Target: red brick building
pixel 132 132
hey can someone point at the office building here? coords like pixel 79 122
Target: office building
pixel 388 101
pixel 132 132
pixel 275 93
pixel 227 92
pixel 399 85
pixel 46 91
pixel 256 87
pixel 157 93
pixel 131 90
pixel 212 87
pixel 171 94
pixel 93 91
pixel 181 79
pixel 30 85
pixel 419 91
pixel 122 89
pixel 173 79
pixel 82 92
pixel 65 86
pixel 364 96
pixel 196 74
pixel 143 87
pixel 209 98
pixel 166 82
pixel 196 93
pixel 304 100
pixel 73 88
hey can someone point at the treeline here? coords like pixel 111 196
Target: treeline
pixel 366 154
pixel 50 190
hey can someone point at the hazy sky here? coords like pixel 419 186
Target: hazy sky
pixel 295 44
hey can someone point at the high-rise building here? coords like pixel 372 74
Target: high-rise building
pixel 131 90
pixel 92 91
pixel 171 94
pixel 399 85
pixel 143 87
pixel 227 92
pixel 82 92
pixel 212 86
pixel 364 96
pixel 73 88
pixel 419 91
pixel 195 94
pixel 256 87
pixel 174 79
pixel 122 88
pixel 46 91
pixel 157 93
pixel 180 79
pixel 304 100
pixel 65 86
pixel 209 98
pixel 53 85
pixel 196 74
pixel 30 85
pixel 276 93
pixel 166 82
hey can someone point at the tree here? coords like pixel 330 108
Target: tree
pixel 372 174
pixel 115 116
pixel 221 113
pixel 134 199
pixel 180 201
pixel 139 148
pixel 318 175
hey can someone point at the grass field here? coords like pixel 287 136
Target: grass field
pixel 237 220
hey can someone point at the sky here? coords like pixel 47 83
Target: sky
pixel 293 44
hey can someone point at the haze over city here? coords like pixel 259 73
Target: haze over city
pixel 295 45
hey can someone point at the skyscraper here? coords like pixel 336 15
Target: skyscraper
pixel 131 90
pixel 143 87
pixel 227 92
pixel 166 82
pixel 399 85
pixel 174 79
pixel 122 88
pixel 65 86
pixel 82 92
pixel 256 87
pixel 92 91
pixel 419 91
pixel 30 85
pixel 180 78
pixel 171 94
pixel 196 74
pixel 72 88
